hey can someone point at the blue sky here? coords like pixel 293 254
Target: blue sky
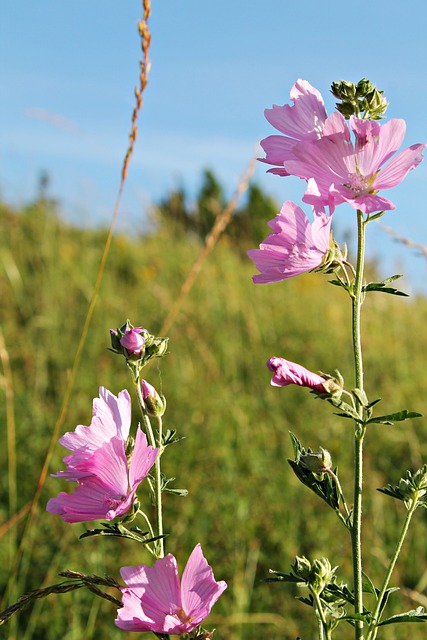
pixel 68 70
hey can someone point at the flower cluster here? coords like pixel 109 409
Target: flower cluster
pixel 319 149
pixel 98 463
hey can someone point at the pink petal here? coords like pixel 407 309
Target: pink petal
pixel 143 458
pixel 287 372
pixel 151 597
pixel 378 149
pixel 398 168
pixel 111 417
pixel 199 589
pixel 305 118
pixel 277 149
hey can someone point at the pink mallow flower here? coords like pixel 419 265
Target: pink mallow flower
pixel 302 121
pixel 286 372
pixel 338 170
pixel 155 600
pixel 106 482
pixel 133 341
pixel 296 246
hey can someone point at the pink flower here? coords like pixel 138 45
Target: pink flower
pixel 155 600
pixel 133 341
pixel 106 482
pixel 339 171
pixel 295 246
pixel 303 121
pixel 286 372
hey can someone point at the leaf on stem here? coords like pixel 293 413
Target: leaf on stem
pixel 382 287
pixel 415 615
pixel 117 529
pixel 399 416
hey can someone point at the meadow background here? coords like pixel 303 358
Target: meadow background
pixel 244 505
pixel 70 72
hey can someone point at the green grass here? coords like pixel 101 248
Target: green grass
pixel 244 504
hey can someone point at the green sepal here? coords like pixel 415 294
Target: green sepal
pixel 391 418
pixel 415 615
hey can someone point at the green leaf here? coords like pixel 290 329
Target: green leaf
pixel 415 615
pixel 382 286
pixel 118 530
pixel 399 416
pixel 282 577
pixel 347 410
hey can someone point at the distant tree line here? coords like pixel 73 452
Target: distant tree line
pixel 248 226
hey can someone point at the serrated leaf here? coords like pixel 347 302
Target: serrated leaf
pixel 415 615
pixel 399 416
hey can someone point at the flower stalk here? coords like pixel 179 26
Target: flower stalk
pixel 373 628
pixel 359 430
pixel 157 490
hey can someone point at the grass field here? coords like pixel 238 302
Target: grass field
pixel 244 504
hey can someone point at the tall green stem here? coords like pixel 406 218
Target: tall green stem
pixel 373 629
pixel 359 430
pixel 157 468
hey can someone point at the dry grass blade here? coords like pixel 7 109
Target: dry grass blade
pixel 143 79
pixel 221 223
pixel 409 243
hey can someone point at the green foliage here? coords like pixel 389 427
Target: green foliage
pixel 244 505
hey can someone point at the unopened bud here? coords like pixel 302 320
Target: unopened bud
pixel 155 404
pixel 316 461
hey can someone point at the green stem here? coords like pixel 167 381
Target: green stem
pixel 373 629
pixel 157 494
pixel 359 431
pixel 320 617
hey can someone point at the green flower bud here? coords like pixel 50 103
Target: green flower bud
pixel 316 461
pixel 155 404
pixel 361 100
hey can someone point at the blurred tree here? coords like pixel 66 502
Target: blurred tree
pixel 248 226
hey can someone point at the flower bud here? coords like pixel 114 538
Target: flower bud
pixel 361 99
pixel 155 404
pixel 316 461
pixel 133 341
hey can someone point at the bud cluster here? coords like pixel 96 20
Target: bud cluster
pixel 315 575
pixel 361 100
pixel 137 345
pixel 410 489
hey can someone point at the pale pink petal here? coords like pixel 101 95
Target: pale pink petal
pixel 152 597
pixel 111 417
pixel 295 247
pixel 91 500
pixel 398 168
pixel 143 458
pixel 380 145
pixel 302 120
pixel 277 149
pixel 199 588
